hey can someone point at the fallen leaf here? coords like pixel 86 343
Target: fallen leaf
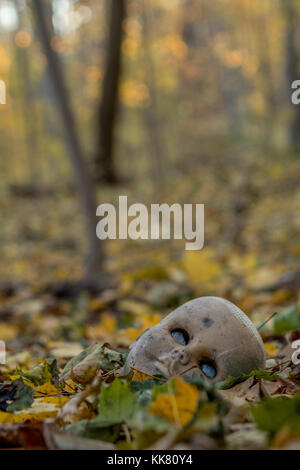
pixel 201 266
pixel 117 403
pixel 178 404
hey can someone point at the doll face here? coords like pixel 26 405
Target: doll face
pixel 209 335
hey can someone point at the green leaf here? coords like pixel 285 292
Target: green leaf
pixel 41 373
pixel 143 420
pixel 144 389
pixel 23 397
pixel 149 384
pixel 117 403
pixel 167 387
pixel 207 419
pixel 93 429
pixel 274 413
pixel 288 320
pixel 67 441
pixel 230 381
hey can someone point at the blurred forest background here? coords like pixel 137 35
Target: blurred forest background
pixel 176 101
pixel 165 101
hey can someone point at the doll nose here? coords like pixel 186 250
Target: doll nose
pixel 181 355
pixel 198 352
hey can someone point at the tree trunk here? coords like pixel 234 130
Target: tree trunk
pixel 152 120
pixel 84 188
pixel 105 158
pixel 28 109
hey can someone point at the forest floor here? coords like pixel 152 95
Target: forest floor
pixel 251 257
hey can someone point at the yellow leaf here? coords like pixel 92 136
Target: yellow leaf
pixel 6 417
pixel 179 406
pixel 134 307
pixel 106 327
pixel 271 349
pixel 201 266
pixel 134 94
pixel 71 386
pixel 243 264
pixel 281 296
pixel 58 401
pixel 130 47
pixel 5 60
pixel 96 304
pixel 146 320
pixel 109 323
pixel 48 388
pixel 61 273
pixel 174 45
pixel 7 332
pixel 149 319
pixel 140 376
pixel 39 411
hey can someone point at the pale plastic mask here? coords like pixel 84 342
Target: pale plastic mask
pixel 210 333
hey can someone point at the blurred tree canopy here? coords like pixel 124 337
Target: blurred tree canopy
pixel 163 95
pixel 164 101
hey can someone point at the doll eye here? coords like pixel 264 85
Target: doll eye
pixel 180 336
pixel 208 368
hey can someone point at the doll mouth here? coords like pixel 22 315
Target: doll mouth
pixel 162 368
pixel 169 367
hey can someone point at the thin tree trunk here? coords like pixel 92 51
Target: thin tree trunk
pixel 152 121
pixel 28 107
pixel 105 158
pixel 83 182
